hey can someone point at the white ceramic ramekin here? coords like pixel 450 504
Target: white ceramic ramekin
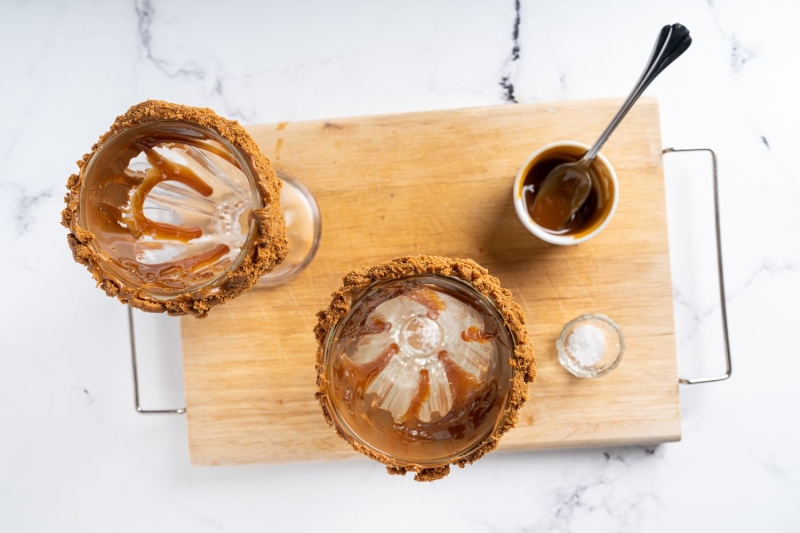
pixel 608 178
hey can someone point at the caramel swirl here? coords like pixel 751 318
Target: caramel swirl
pixel 119 196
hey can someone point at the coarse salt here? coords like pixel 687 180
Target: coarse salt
pixel 586 344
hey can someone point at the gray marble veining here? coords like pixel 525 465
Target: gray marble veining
pixel 73 454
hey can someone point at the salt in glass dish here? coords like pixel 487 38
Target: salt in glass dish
pixel 611 357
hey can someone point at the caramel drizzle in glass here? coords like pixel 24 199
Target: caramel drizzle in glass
pixel 137 224
pixel 472 400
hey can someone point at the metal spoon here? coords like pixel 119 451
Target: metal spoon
pixel 567 186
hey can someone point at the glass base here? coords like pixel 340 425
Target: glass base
pixel 303 231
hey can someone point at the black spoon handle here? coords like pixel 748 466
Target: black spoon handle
pixel 673 40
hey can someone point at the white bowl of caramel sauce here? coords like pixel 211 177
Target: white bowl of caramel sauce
pixel 420 369
pixel 592 217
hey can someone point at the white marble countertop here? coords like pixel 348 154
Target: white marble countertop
pixel 74 456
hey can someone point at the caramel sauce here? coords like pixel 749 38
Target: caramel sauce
pixel 376 325
pixel 476 401
pixel 183 268
pixel 411 418
pixel 429 299
pixel 133 218
pixel 354 378
pixel 473 403
pixel 475 334
pixel 549 214
pixel 114 200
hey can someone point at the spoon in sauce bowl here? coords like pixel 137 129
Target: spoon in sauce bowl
pixel 567 186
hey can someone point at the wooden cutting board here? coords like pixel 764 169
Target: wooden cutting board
pixel 440 183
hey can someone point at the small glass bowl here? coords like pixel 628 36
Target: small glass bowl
pixel 614 347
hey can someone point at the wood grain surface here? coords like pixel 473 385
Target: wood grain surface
pixel 441 183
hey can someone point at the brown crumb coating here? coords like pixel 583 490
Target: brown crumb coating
pixel 259 256
pixel 523 363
